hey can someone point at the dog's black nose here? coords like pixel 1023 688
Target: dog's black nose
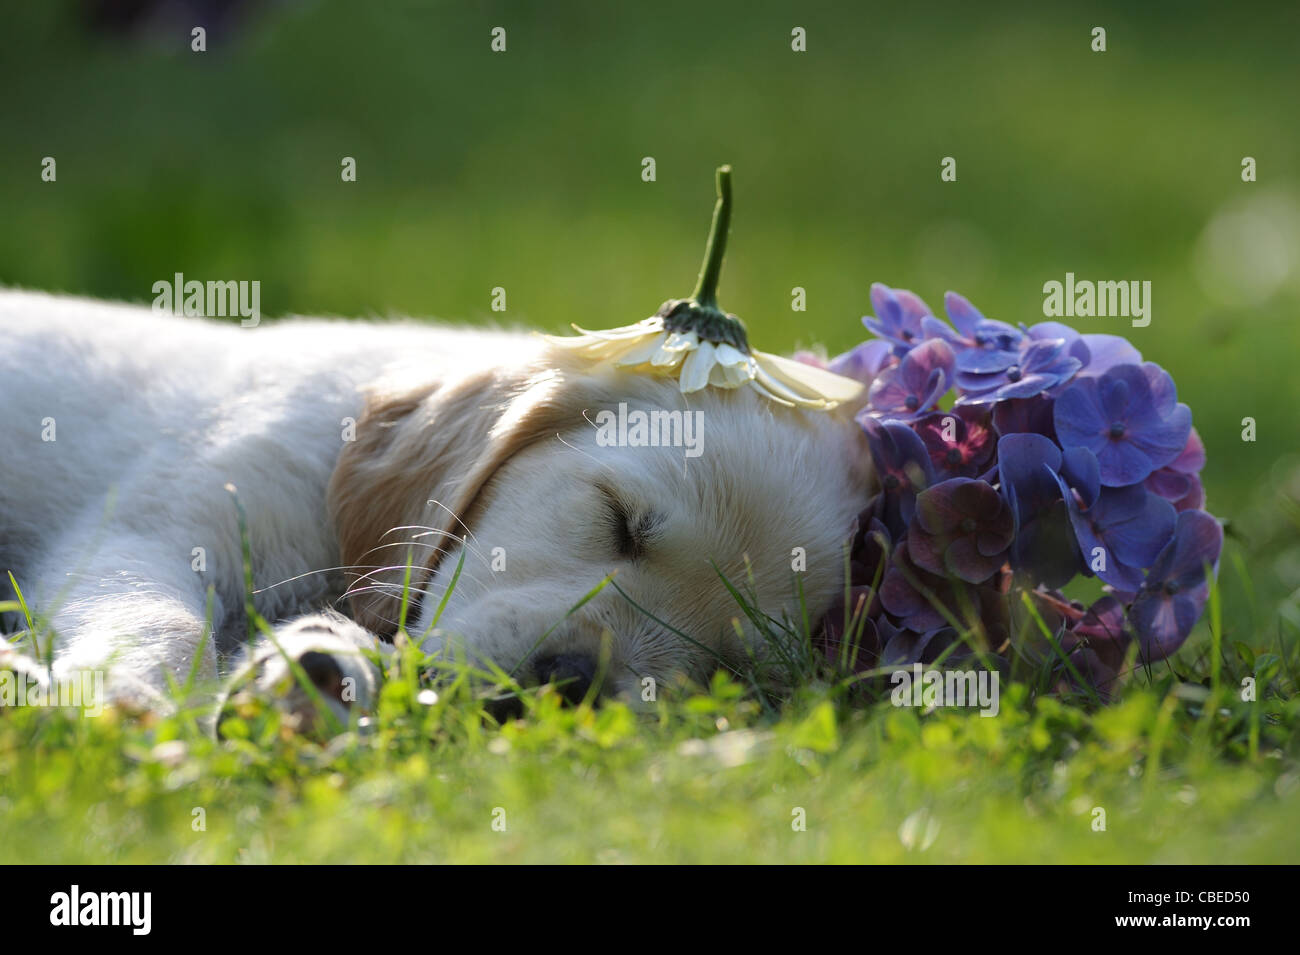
pixel 572 674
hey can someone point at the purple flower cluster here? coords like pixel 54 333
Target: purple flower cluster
pixel 1012 459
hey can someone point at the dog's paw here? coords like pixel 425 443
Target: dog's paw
pixel 327 651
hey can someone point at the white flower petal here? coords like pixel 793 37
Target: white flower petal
pixel 665 359
pixel 571 341
pixel 587 339
pixel 647 326
pixel 638 353
pixel 704 363
pixel 816 386
pixel 730 355
pixel 788 396
pixel 730 376
pixel 682 341
pixel 593 349
pixel 696 368
pixel 674 348
pixel 758 386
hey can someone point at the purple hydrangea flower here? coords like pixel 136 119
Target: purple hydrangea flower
pixel 963 315
pixel 1105 352
pixel 1043 545
pixel 1025 416
pixel 849 634
pixel 916 384
pixel 1082 475
pixel 918 599
pixel 1192 458
pixel 1119 532
pixel 869 553
pixel 963 527
pixel 1129 418
pixel 903 593
pixel 960 441
pixel 903 467
pixel 1097 645
pixel 1184 491
pixel 905 647
pixel 898 317
pixel 864 362
pixel 982 345
pixel 1076 345
pixel 1042 365
pixel 1178 482
pixel 1098 353
pixel 1065 453
pixel 811 358
pixel 1027 466
pixel 1171 599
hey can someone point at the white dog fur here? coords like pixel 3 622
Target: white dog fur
pixel 121 430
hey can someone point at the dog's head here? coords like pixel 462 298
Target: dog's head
pixel 547 479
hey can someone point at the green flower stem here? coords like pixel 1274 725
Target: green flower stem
pixel 706 288
pixel 700 313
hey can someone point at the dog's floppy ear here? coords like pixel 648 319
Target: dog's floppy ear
pixel 418 463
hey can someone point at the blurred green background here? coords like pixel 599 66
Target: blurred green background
pixel 522 169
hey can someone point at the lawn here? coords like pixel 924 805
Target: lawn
pixel 1179 769
pixel 523 170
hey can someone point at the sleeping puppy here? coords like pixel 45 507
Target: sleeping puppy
pixel 354 447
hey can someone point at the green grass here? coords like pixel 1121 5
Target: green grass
pixel 1181 768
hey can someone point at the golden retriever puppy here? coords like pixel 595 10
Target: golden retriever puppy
pixel 355 448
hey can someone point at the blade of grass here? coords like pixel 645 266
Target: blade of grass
pixel 589 595
pixel 446 594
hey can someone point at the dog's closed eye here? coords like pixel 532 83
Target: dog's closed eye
pixel 631 528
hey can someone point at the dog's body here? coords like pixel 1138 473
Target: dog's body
pixel 351 445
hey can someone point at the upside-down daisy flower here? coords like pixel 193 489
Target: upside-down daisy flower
pixel 697 342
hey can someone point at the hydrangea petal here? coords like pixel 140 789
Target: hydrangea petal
pixel 862 363
pixel 1161 442
pixel 1192 458
pixel 1025 466
pixel 1078 417
pixel 1139 524
pixel 1107 351
pixel 963 315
